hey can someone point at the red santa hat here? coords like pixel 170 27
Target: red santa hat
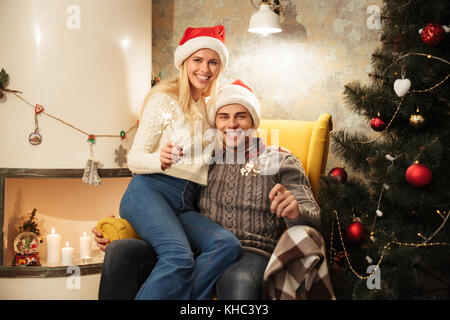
pixel 237 93
pixel 195 39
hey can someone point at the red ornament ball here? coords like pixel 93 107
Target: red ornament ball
pixel 338 174
pixel 355 231
pixel 432 34
pixel 378 124
pixel 418 175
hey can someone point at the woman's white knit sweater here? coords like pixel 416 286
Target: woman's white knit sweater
pixel 163 121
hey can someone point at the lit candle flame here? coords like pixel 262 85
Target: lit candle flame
pixel 53 230
pixel 67 243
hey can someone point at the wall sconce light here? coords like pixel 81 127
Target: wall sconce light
pixel 267 19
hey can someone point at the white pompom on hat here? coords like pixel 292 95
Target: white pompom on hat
pixel 195 39
pixel 237 93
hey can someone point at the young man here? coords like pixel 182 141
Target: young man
pixel 254 191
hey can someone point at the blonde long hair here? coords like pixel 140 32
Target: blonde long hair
pixel 179 88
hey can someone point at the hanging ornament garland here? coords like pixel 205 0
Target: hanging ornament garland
pixel 90 175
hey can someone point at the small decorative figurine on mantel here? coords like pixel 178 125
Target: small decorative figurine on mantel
pixel 26 243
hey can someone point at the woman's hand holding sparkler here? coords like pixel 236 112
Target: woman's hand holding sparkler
pixel 170 154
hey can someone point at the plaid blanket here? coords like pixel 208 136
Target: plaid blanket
pixel 298 268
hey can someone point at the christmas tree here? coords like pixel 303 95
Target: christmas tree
pixel 385 210
pixel 31 224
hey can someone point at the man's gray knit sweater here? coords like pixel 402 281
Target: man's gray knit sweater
pixel 241 203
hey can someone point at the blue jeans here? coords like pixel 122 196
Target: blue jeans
pixel 161 209
pixel 129 262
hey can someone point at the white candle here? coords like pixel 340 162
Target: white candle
pixel 53 248
pixel 67 255
pixel 85 246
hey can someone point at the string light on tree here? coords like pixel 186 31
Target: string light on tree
pixel 373 239
pixel 389 157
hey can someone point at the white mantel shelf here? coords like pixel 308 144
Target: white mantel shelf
pixel 48 272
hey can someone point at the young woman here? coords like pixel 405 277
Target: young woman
pixel 159 202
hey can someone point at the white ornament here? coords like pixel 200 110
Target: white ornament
pixel 379 213
pixel 386 186
pixel 401 86
pixel 389 157
pixel 250 169
pixel 369 260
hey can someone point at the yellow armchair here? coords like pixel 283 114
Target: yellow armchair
pixel 307 140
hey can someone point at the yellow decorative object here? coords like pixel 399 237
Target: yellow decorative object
pixel 116 228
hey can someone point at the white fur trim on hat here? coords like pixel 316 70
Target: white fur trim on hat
pixel 236 94
pixel 185 50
